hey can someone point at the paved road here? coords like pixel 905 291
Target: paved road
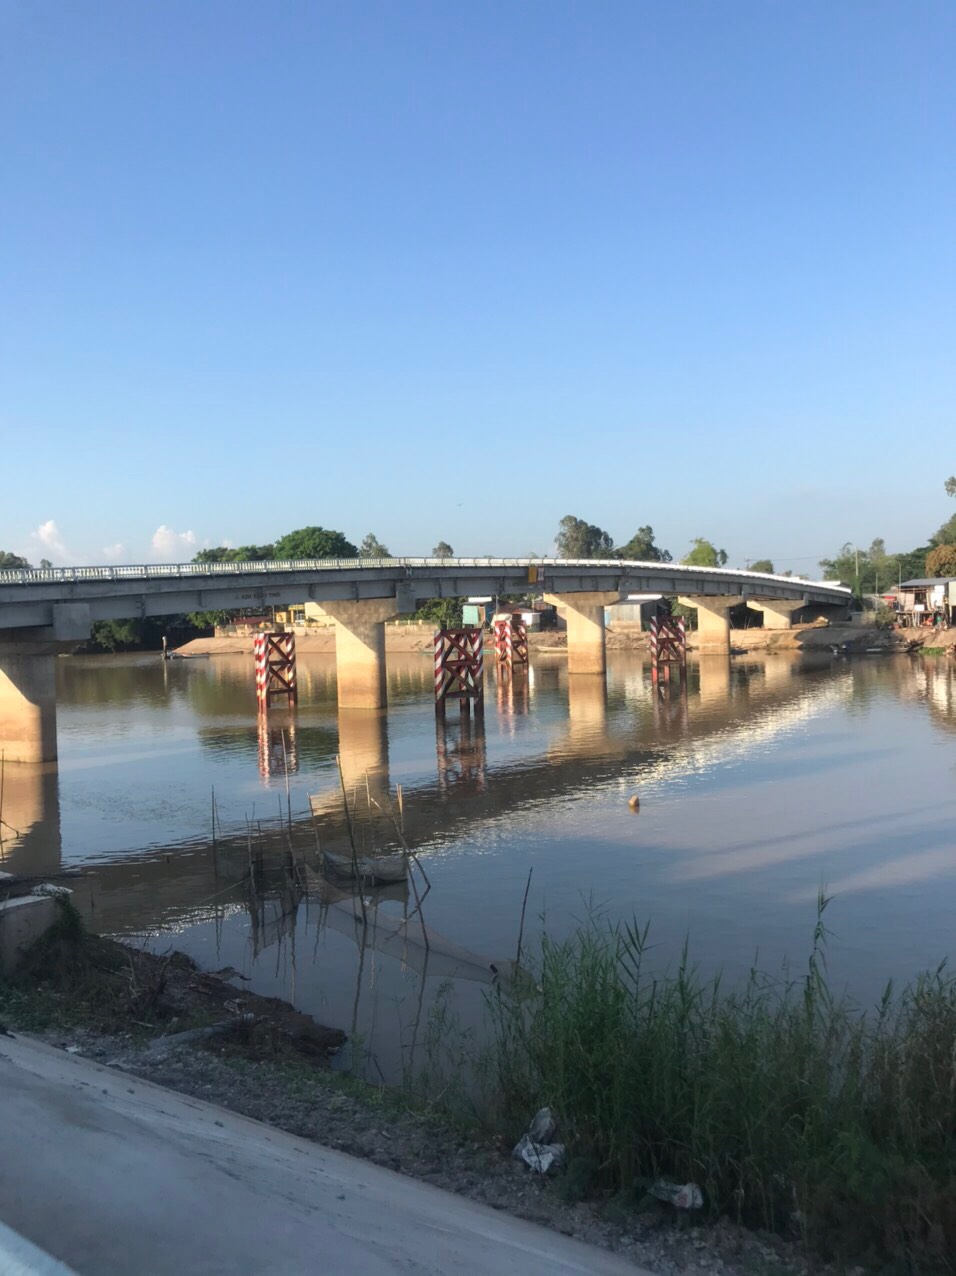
pixel 112 1175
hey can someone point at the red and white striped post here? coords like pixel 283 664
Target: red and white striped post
pixel 275 669
pixel 459 668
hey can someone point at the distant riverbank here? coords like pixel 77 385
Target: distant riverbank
pixel 413 638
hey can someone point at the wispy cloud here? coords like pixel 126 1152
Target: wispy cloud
pixel 173 546
pixel 113 553
pixel 50 541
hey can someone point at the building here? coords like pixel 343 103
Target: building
pixel 928 601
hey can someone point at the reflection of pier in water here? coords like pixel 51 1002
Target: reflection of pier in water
pixel 622 733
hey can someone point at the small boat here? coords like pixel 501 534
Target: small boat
pixel 364 868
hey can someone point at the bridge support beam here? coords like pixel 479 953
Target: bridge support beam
pixel 585 619
pixel 777 614
pixel 27 704
pixel 360 651
pixel 713 620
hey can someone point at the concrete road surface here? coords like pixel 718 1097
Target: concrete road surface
pixel 112 1176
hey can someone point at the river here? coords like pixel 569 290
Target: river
pixel 774 776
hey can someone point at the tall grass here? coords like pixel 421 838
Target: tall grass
pixel 793 1110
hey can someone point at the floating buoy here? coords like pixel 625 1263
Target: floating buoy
pixel 634 802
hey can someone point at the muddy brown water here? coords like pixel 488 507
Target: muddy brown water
pixel 773 776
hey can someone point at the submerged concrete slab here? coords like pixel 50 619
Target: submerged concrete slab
pixel 115 1175
pixel 22 921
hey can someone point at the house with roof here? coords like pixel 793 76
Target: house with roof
pixel 930 600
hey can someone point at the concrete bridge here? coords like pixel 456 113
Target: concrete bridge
pixel 45 611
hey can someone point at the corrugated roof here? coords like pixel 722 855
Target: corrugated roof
pixel 929 580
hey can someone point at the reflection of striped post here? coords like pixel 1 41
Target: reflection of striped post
pixel 278 752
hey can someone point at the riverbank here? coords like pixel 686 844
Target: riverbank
pixel 145 1014
pixel 413 638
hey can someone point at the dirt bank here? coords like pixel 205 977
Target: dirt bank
pixel 140 1012
pixel 418 638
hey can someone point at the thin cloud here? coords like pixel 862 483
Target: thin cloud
pixel 50 539
pixel 113 553
pixel 173 546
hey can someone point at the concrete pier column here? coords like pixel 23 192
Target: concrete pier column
pixel 713 620
pixel 360 651
pixel 777 614
pixel 585 621
pixel 27 705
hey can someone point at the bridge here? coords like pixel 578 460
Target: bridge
pixel 46 611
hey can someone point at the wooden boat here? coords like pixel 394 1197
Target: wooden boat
pixel 365 868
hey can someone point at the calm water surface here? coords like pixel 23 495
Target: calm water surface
pixel 774 776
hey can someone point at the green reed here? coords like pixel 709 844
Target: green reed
pixel 792 1109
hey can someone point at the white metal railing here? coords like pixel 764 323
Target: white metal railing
pixel 165 571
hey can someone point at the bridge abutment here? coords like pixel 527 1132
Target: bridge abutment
pixel 27 704
pixel 584 612
pixel 360 651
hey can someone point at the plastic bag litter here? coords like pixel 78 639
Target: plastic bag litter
pixel 683 1196
pixel 539 1156
pixel 535 1148
pixel 543 1127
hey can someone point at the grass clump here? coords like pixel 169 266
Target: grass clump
pixel 792 1109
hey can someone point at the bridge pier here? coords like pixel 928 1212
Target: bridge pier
pixel 360 651
pixel 777 614
pixel 584 612
pixel 27 703
pixel 713 619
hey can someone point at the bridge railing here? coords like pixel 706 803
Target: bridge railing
pixel 165 571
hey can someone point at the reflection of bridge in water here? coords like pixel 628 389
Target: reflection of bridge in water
pixel 625 733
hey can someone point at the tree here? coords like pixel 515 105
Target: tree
pixel 941 561
pixel 762 565
pixel 704 554
pixel 116 635
pixel 443 550
pixel 236 554
pixel 641 548
pixel 445 612
pixel 314 542
pixel 578 539
pixel 372 547
pixel 945 535
pixel 869 571
pixel 950 485
pixel 12 560
pixel 912 564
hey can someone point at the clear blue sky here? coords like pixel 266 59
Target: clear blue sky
pixel 453 270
